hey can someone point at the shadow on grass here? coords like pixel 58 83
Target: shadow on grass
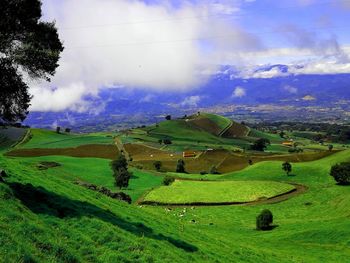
pixel 41 201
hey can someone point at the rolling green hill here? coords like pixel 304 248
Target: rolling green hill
pixel 46 217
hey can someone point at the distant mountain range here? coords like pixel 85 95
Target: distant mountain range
pixel 227 87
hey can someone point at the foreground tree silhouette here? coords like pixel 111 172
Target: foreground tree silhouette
pixel 264 220
pixel 341 173
pixel 121 173
pixel 27 46
pixel 287 167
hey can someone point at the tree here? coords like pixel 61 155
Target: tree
pixel 264 220
pixel 260 144
pixel 287 167
pixel 28 47
pixel 330 147
pixel 341 173
pixel 168 117
pixel 67 130
pixel 282 134
pixel 120 171
pixel 168 180
pixel 250 162
pixel 157 165
pixel 167 141
pixel 180 167
pixel 58 129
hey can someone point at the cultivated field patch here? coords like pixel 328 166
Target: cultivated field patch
pixel 89 150
pixel 216 192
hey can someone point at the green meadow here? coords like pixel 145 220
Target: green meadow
pixel 46 217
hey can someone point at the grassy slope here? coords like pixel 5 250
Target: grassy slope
pixel 50 139
pixel 312 227
pixel 182 192
pixel 221 121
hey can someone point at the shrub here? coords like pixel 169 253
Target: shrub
pixel 287 167
pixel 180 167
pixel 203 173
pixel 341 173
pixel 157 165
pixel 264 220
pixel 168 180
pixel 167 141
pixel 260 145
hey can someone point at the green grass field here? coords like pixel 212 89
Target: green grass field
pixel 188 192
pixel 45 217
pixel 50 139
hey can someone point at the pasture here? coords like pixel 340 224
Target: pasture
pixel 45 217
pixel 185 192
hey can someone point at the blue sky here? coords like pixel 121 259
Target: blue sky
pixel 177 45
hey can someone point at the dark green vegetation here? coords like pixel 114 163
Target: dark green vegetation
pixel 264 220
pixel 46 217
pixel 341 173
pixel 27 44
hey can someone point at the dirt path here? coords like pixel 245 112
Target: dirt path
pixel 299 189
pixel 225 129
pixel 121 148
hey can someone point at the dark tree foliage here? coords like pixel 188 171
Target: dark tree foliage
pixel 260 145
pixel 121 173
pixel 58 129
pixel 27 46
pixel 157 165
pixel 341 173
pixel 168 117
pixel 264 220
pixel 67 130
pixel 180 167
pixel 287 167
pixel 167 141
pixel 168 180
pixel 330 147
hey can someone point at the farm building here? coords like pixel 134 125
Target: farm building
pixel 288 143
pixel 188 154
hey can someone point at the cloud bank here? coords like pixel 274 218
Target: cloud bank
pixel 137 45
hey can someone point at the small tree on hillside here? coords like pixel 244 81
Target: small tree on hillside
pixel 157 165
pixel 180 167
pixel 330 147
pixel 264 220
pixel 168 180
pixel 58 129
pixel 341 173
pixel 287 167
pixel 260 144
pixel 122 177
pixel 120 171
pixel 168 117
pixel 67 130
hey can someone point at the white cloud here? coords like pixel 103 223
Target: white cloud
pixel 134 44
pixel 191 101
pixel 239 92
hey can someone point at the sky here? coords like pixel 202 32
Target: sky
pixel 176 45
